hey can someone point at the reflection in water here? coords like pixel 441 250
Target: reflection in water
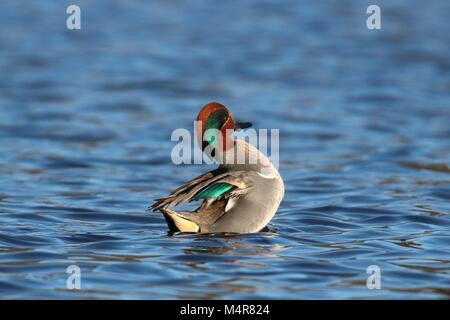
pixel 85 124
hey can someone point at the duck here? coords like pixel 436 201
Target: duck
pixel 240 196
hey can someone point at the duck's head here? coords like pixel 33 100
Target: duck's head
pixel 216 127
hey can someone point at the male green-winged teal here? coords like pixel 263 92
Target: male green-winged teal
pixel 238 196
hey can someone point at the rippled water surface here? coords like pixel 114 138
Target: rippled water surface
pixel 85 124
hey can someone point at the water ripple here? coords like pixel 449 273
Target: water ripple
pixel 85 124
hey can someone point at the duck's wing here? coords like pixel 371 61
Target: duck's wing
pixel 210 187
pixel 219 191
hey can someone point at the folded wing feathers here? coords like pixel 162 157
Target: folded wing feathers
pixel 187 192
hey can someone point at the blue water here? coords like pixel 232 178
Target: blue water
pixel 85 124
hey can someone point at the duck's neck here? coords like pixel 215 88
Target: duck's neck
pixel 244 156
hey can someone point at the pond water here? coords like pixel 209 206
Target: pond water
pixel 85 123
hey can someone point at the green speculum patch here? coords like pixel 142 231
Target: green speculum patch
pixel 215 190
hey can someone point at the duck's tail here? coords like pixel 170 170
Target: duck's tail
pixel 178 222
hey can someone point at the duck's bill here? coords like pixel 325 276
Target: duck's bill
pixel 242 125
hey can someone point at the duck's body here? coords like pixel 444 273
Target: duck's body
pixel 238 197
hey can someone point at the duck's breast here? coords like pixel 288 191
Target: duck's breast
pixel 254 210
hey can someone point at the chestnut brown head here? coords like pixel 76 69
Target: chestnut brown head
pixel 216 125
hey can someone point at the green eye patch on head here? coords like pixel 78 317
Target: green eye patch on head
pixel 215 121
